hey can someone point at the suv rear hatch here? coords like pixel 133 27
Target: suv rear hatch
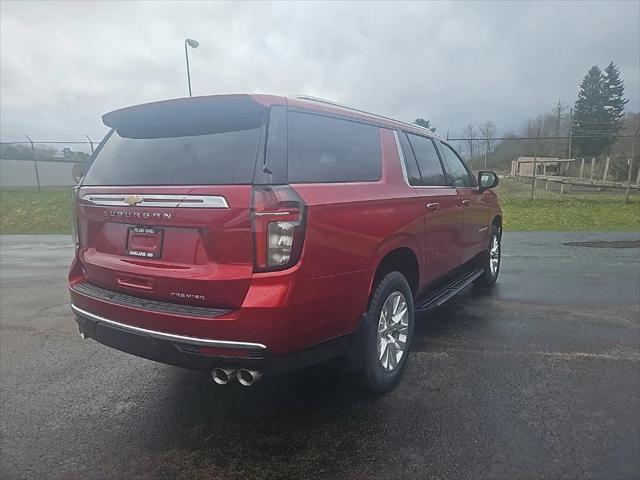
pixel 164 210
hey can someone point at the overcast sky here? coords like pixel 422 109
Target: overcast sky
pixel 64 64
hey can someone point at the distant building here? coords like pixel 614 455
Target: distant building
pixel 523 166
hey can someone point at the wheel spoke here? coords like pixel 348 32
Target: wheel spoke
pixel 393 357
pixel 382 324
pixel 398 316
pixel 383 347
pixel 385 357
pixel 396 302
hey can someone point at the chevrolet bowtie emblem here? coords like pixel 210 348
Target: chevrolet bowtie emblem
pixel 132 200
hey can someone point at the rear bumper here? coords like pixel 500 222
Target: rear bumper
pixel 201 353
pixel 284 311
pixel 286 321
pixel 178 339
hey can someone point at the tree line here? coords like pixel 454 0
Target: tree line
pixel 593 122
pixel 12 151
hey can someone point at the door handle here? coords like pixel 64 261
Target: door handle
pixel 433 206
pixel 466 203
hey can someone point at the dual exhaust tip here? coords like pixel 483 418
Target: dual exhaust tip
pixel 222 376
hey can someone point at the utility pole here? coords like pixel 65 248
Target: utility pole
pixel 35 164
pixel 90 142
pixel 535 164
pixel 633 149
pixel 558 111
pixel 570 129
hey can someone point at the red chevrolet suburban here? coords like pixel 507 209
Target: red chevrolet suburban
pixel 242 234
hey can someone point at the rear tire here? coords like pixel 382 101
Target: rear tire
pixel 491 259
pixel 390 322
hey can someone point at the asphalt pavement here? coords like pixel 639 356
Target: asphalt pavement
pixel 538 378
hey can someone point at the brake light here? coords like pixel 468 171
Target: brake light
pixel 278 223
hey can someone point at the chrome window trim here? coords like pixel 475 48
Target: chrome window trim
pixel 153 200
pixel 401 156
pixel 423 130
pixel 207 342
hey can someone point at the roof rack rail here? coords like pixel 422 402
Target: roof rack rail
pixel 331 102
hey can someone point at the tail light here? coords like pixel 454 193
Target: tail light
pixel 74 217
pixel 278 223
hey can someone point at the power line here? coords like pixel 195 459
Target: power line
pixel 542 138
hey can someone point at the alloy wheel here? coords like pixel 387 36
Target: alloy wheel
pixel 393 327
pixel 494 255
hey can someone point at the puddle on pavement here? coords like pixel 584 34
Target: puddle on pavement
pixel 603 244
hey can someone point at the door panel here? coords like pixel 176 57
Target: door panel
pixel 443 227
pixel 443 215
pixel 473 227
pixel 475 233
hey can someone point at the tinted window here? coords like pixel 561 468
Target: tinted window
pixel 325 149
pixel 428 161
pixel 221 158
pixel 211 140
pixel 410 165
pixel 459 176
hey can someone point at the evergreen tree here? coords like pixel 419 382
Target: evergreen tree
pixel 615 101
pixel 424 123
pixel 590 114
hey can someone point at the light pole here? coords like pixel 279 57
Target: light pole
pixel 192 44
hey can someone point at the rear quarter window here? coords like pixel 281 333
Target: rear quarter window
pixel 327 149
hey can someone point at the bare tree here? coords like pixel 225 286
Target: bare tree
pixel 487 132
pixel 469 132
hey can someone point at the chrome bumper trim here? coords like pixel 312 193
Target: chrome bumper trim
pixel 169 336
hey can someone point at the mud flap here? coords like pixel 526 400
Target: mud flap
pixel 353 360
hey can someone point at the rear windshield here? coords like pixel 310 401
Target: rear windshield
pixel 180 143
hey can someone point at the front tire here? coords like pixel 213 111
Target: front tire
pixel 390 322
pixel 491 259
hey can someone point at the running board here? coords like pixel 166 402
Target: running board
pixel 443 293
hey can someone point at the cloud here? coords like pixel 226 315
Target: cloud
pixel 63 64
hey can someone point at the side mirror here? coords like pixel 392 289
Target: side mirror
pixel 486 180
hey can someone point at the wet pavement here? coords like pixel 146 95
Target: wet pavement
pixel 539 378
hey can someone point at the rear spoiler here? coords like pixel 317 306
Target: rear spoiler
pixel 183 117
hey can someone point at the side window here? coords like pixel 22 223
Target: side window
pixel 326 149
pixel 428 161
pixel 458 173
pixel 410 165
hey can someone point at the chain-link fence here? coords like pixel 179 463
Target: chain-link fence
pixel 545 162
pixel 31 163
pixel 551 162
